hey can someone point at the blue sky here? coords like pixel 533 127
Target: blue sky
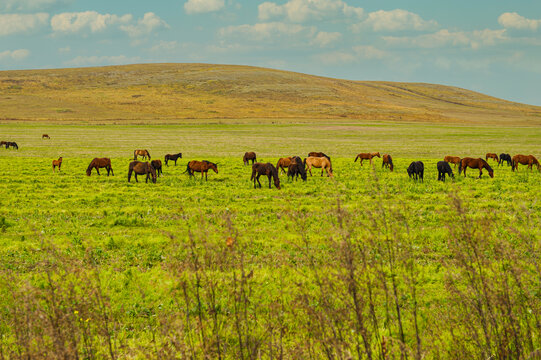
pixel 489 46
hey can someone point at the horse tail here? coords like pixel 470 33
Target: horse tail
pixel 134 154
pixel 356 158
pixel 188 170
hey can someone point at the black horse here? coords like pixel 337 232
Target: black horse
pixel 296 168
pixel 505 157
pixel 12 144
pixel 172 157
pixel 444 168
pixel 416 170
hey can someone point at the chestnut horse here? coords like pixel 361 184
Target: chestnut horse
pixel 144 153
pixel 45 136
pixel 505 157
pixel 319 162
pixel 268 169
pixel 157 165
pixel 475 164
pixel 492 156
pixel 202 167
pixel 57 163
pixel 98 163
pixel 452 159
pixel 249 156
pixel 367 156
pixel 283 163
pixel 172 157
pixel 296 168
pixel 387 162
pixel 524 160
pixel 142 168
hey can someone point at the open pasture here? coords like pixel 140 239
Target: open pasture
pixel 369 264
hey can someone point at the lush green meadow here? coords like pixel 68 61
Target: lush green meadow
pixel 368 264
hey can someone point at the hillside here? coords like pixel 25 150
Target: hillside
pixel 181 92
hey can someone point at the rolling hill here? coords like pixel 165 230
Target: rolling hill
pixel 163 93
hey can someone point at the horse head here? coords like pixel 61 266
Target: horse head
pixel 152 172
pixel 214 167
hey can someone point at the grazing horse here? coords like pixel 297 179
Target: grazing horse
pixel 3 143
pixel 525 160
pixel 57 163
pixel 142 168
pixel 202 167
pixel 416 170
pixel 45 136
pixel 98 163
pixel 452 159
pixel 296 168
pixel 492 156
pixel 268 169
pixel 318 154
pixel 319 162
pixel 367 156
pixel 157 165
pixel 249 156
pixel 12 144
pixel 283 163
pixel 144 153
pixel 387 162
pixel 172 157
pixel 443 169
pixel 475 164
pixel 505 157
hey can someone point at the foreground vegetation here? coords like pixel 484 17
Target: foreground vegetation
pixel 366 265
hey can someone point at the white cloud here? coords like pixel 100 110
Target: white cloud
pixel 324 39
pixel 268 31
pixel 20 23
pixel 443 38
pixel 203 6
pixel 14 54
pixel 516 21
pixel 165 46
pixel 395 20
pixel 145 26
pixel 101 60
pixel 304 10
pixel 88 21
pixel 30 5
pixel 357 54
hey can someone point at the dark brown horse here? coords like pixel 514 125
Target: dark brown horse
pixel 45 136
pixel 249 156
pixel 529 160
pixel 12 144
pixel 157 165
pixel 172 157
pixel 452 159
pixel 367 156
pixel 283 163
pixel 492 156
pixel 318 154
pixel 202 167
pixel 475 164
pixel 268 169
pixel 57 163
pixel 98 163
pixel 142 168
pixel 144 153
pixel 296 168
pixel 387 162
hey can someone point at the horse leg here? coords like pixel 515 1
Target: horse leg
pixel 146 180
pixel 480 172
pixel 98 170
pixel 136 178
pixel 257 178
pixel 270 176
pixel 129 174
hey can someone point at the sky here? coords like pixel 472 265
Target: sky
pixel 493 47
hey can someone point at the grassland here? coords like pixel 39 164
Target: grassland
pixel 366 265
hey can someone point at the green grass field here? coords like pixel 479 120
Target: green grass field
pixel 368 264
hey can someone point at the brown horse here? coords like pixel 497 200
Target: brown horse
pixel 202 167
pixel 268 169
pixel 142 168
pixel 172 157
pixel 144 153
pixel 283 163
pixel 249 156
pixel 318 154
pixel 524 160
pixel 475 164
pixel 452 159
pixel 157 165
pixel 45 136
pixel 492 156
pixel 367 156
pixel 57 163
pixel 98 163
pixel 387 162
pixel 319 162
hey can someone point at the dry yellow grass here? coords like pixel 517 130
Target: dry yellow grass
pixel 183 92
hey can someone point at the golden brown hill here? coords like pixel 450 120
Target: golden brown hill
pixel 175 92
